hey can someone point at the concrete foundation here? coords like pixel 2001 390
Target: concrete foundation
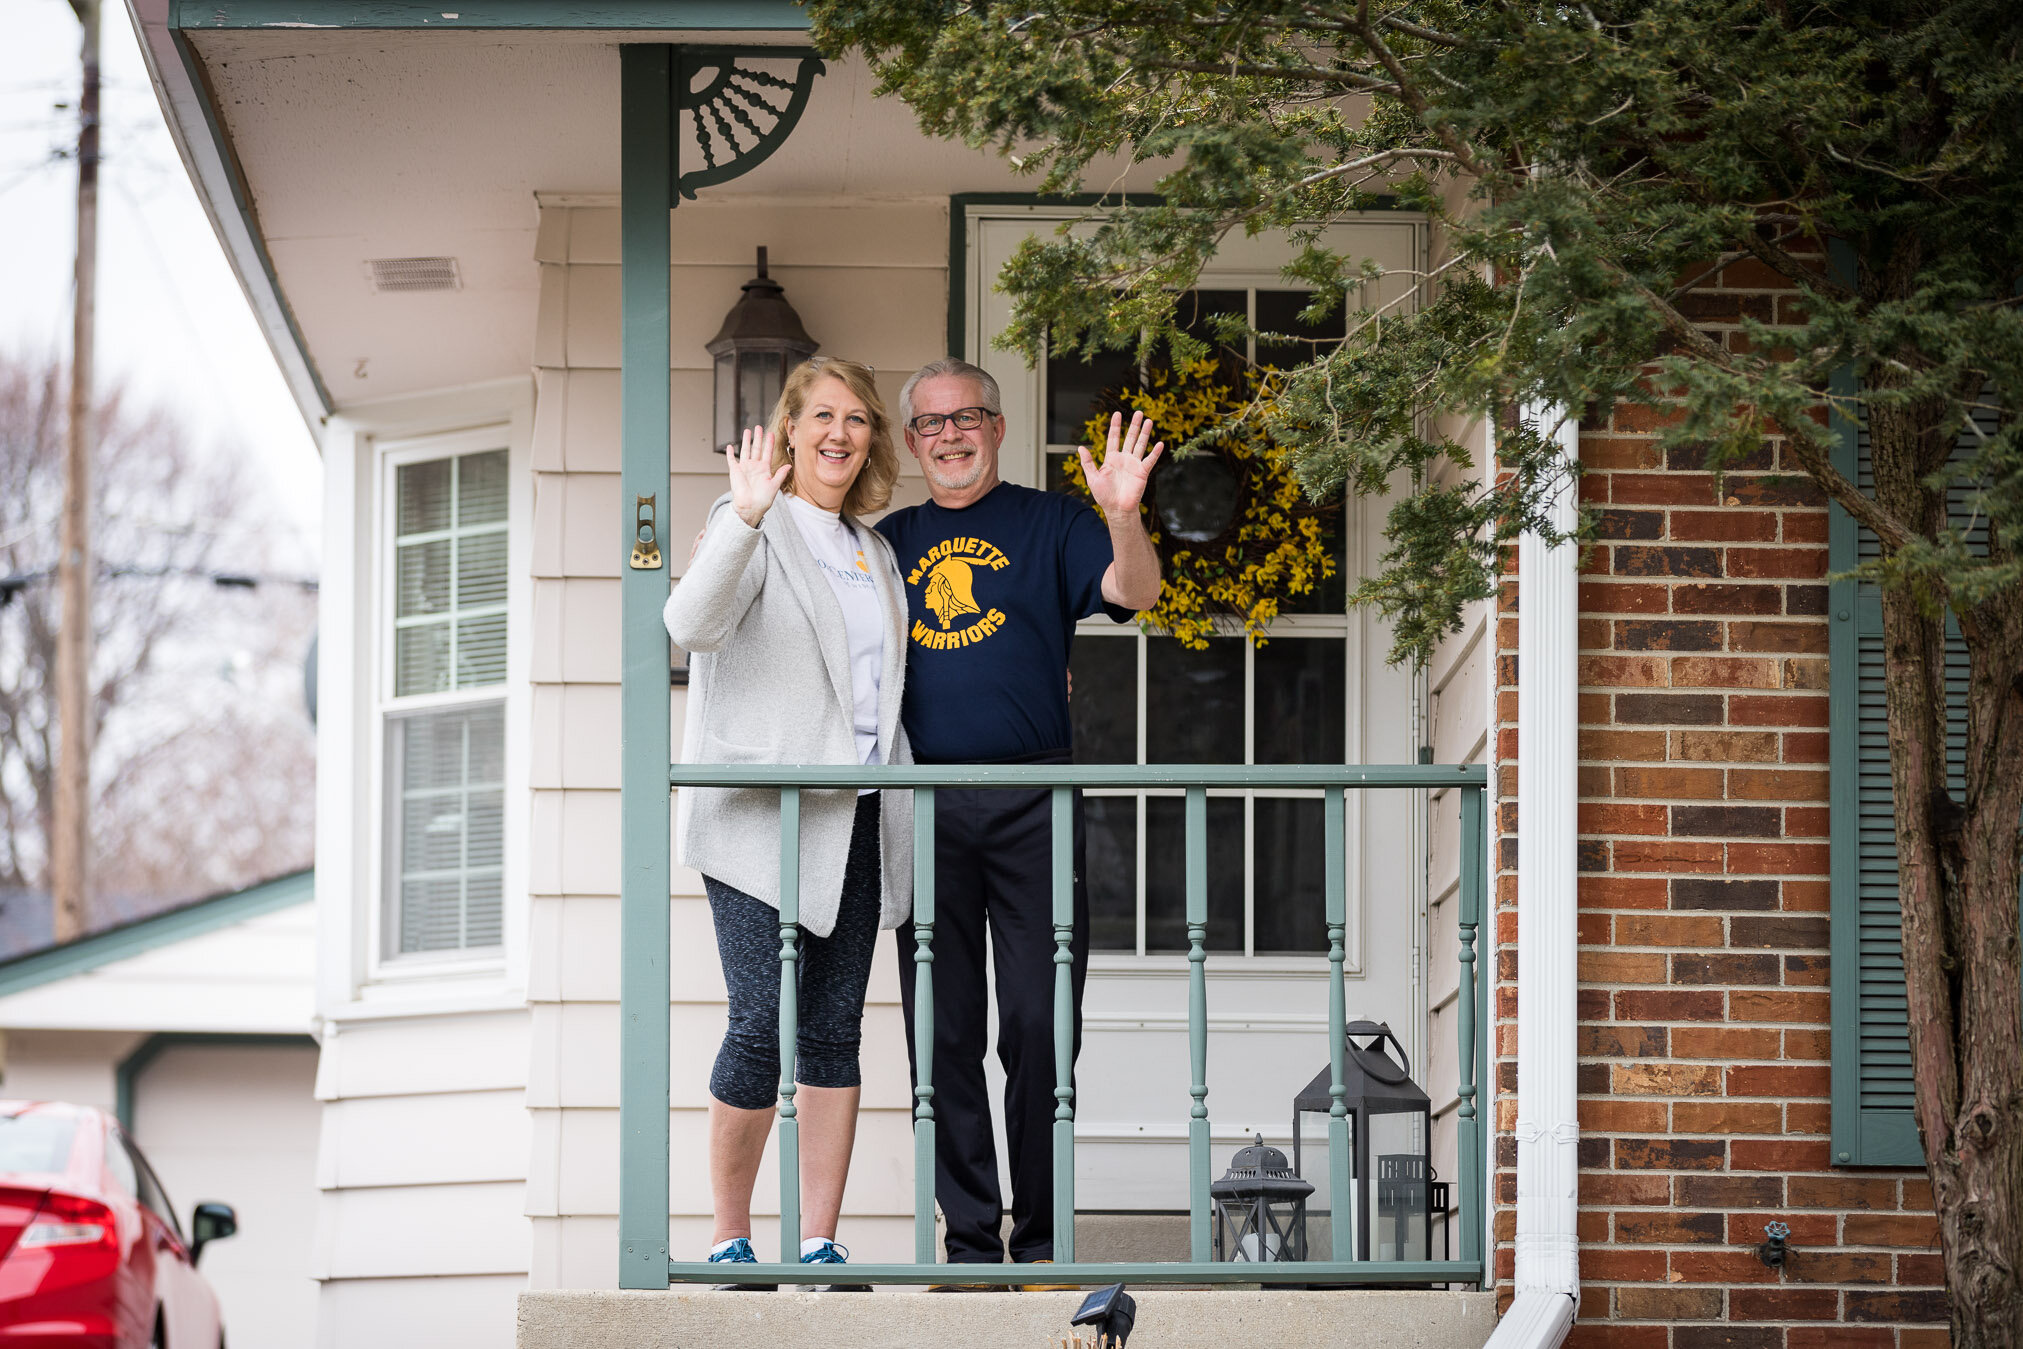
pixel 895 1319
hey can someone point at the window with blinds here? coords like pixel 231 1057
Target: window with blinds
pixel 449 552
pixel 444 767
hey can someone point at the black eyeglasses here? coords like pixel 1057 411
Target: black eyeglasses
pixel 965 419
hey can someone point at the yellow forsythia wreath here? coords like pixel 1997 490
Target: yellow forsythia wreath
pixel 1276 545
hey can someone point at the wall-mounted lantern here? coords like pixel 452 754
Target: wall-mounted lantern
pixel 1390 1128
pixel 760 341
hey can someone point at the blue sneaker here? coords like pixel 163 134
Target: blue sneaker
pixel 739 1252
pixel 829 1253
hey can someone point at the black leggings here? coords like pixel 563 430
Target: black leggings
pixel 833 974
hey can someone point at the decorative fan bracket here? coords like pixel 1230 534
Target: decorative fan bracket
pixel 741 113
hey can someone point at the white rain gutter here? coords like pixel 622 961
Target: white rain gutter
pixel 1547 1282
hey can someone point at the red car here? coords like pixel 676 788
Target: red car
pixel 91 1255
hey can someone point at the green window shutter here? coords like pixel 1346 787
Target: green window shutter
pixel 1873 1121
pixel 1873 1124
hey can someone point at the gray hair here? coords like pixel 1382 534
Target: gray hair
pixel 993 401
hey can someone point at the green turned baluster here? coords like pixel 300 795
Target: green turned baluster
pixel 1197 1023
pixel 923 1025
pixel 1341 1211
pixel 1468 1130
pixel 1064 1024
pixel 790 1019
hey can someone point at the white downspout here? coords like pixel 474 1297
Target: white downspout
pixel 1547 1282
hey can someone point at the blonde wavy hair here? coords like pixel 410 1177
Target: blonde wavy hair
pixel 873 489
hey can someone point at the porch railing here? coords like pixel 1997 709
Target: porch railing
pixel 644 1001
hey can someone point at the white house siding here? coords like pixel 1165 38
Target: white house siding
pixel 422 1176
pixel 869 280
pixel 1459 685
pixel 422 1164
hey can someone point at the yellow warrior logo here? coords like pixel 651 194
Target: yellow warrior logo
pixel 949 591
pixel 947 577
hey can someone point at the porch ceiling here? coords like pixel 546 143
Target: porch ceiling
pixel 358 145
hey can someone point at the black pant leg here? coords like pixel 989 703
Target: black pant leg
pixel 1019 876
pixel 965 1181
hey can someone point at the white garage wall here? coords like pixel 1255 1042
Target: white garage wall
pixel 237 1123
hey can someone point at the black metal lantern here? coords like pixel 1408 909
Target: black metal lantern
pixel 1390 1129
pixel 1260 1207
pixel 760 341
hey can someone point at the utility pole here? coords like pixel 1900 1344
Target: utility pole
pixel 70 851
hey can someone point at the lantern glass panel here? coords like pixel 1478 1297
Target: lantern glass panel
pixel 1397 1192
pixel 760 378
pixel 1310 1127
pixel 726 403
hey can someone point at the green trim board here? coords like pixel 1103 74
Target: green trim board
pixel 152 933
pixel 1389 1273
pixel 647 128
pixel 397 15
pixel 147 1051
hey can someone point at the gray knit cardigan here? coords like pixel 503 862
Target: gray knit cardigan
pixel 769 683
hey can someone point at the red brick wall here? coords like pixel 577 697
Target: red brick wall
pixel 1703 925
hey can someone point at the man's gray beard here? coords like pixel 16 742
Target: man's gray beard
pixel 940 477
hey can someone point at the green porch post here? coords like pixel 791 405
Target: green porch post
pixel 646 170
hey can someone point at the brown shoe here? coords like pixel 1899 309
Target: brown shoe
pixel 1045 1287
pixel 959 1287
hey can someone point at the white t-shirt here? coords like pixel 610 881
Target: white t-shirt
pixel 841 556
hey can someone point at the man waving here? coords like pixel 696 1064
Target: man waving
pixel 996 576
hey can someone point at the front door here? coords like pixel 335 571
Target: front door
pixel 1317 691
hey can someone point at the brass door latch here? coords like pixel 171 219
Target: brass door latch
pixel 645 536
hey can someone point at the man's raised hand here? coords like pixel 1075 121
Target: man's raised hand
pixel 754 480
pixel 1118 483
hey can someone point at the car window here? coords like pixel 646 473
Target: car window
pixel 120 1166
pixel 151 1192
pixel 36 1140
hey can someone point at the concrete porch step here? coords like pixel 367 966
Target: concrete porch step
pixel 895 1319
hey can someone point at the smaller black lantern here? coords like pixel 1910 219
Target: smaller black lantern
pixel 760 341
pixel 1390 1129
pixel 1260 1207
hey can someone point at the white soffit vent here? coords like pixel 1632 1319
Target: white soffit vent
pixel 392 276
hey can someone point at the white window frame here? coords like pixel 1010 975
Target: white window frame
pixel 383 963
pixel 362 446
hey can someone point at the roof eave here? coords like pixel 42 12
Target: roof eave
pixel 207 156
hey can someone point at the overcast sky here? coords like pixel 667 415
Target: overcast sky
pixel 172 321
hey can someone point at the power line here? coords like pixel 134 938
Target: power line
pixel 12 585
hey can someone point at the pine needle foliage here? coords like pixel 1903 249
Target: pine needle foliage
pixel 1592 169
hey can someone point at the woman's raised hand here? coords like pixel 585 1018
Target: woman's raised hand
pixel 754 481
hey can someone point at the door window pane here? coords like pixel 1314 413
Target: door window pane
pixel 1194 701
pixel 1113 868
pixel 1103 704
pixel 1290 876
pixel 1077 390
pixel 1301 700
pixel 1278 311
pixel 1166 874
